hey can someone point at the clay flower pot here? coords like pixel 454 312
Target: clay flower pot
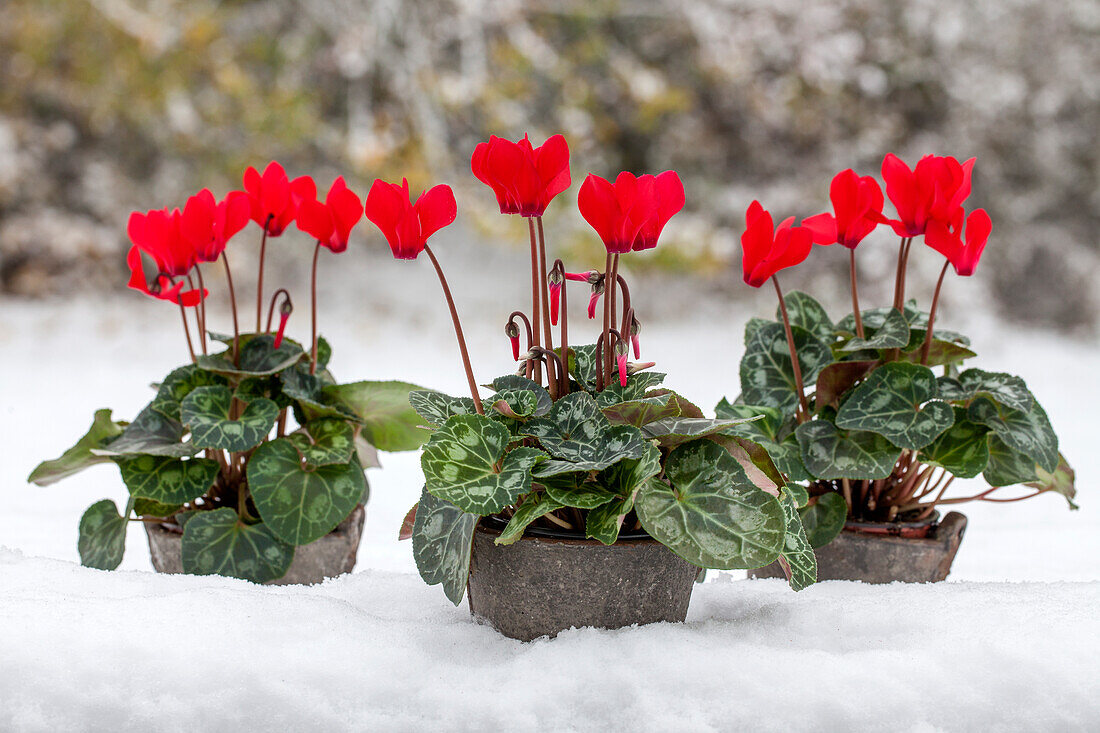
pixel 332 555
pixel 910 552
pixel 542 585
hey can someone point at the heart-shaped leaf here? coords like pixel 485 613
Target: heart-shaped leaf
pixel 797 551
pixel 435 407
pixel 325 442
pixel 889 402
pixel 534 506
pixel 684 408
pixel 830 454
pixel 150 434
pixel 442 537
pixel 604 522
pixel 150 508
pixel 804 311
pixel 514 404
pixel 167 480
pixel 641 411
pixel 80 456
pixel 962 450
pixel 1008 466
pixel 178 384
pixel 1010 391
pixel 940 353
pixel 569 490
pixel 389 421
pixel 626 477
pixel 674 431
pixel 301 503
pixel 635 388
pixel 1061 481
pixel 891 333
pixel 824 519
pixel 543 403
pixel 465 463
pixel 218 543
pixel 838 378
pixel 102 538
pixel 767 377
pixel 709 513
pixel 577 433
pixel 307 390
pixel 583 366
pixel 766 432
pixel 258 357
pixel 876 318
pixel 1028 432
pixel 206 412
pixel 752 326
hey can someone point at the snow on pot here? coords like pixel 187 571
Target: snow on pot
pixel 910 552
pixel 256 451
pixel 580 439
pixel 548 582
pixel 332 555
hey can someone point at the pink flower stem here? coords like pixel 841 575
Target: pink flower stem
pixel 855 293
pixel 271 307
pixel 458 328
pixel 260 280
pixel 932 317
pixel 799 387
pixel 200 316
pixel 186 330
pixel 535 316
pixel 313 307
pixel 563 387
pixel 548 342
pixel 233 306
pixel 610 274
pixel 530 344
pixel 899 277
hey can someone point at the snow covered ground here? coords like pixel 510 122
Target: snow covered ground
pixel 1010 642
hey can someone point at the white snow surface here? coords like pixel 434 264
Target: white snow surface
pixel 1008 643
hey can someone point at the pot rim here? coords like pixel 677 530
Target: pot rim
pixel 545 535
pixel 918 529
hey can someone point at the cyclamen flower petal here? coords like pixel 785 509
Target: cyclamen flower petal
pixel 766 251
pixel 283 318
pixel 162 287
pixel 407 225
pixel 621 359
pixel 331 223
pixel 933 191
pixel 158 234
pixel 208 225
pixel 592 301
pixel 631 213
pixel 963 255
pixel 555 300
pixel 274 199
pixel 524 178
pixel 515 347
pixel 857 204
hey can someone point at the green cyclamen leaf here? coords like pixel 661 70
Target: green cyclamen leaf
pixel 1061 481
pixel 178 384
pixel 765 432
pixel 389 421
pixel 889 402
pixel 218 543
pixel 442 537
pixel 102 538
pixel 829 453
pixel 325 442
pixel 167 480
pixel 206 412
pixel 767 377
pixel 1010 391
pixel 674 431
pixel 824 519
pixel 150 434
pixel 891 333
pixel 301 503
pixel 804 311
pixel 709 513
pixel 577 433
pixel 604 522
pixel 150 508
pixel 465 463
pixel 258 357
pixel 80 456
pixel 1028 432
pixel 962 450
pixel 635 388
pixel 797 550
pixel 642 411
pixel 435 407
pixel 627 476
pixel 543 403
pixel 566 490
pixel 533 507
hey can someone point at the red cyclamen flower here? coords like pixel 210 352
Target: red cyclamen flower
pixel 207 225
pixel 630 214
pixel 947 240
pixel 162 286
pixel 934 190
pixel 331 223
pixel 525 179
pixel 405 224
pixel 158 234
pixel 766 251
pixel 274 198
pixel 857 206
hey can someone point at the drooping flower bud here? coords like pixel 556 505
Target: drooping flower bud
pixel 512 332
pixel 620 357
pixel 634 328
pixel 285 309
pixel 597 291
pixel 556 281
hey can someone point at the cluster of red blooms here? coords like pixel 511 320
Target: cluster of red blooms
pixel 928 200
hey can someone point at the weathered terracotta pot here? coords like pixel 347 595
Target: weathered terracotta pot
pixel 332 555
pixel 884 553
pixel 540 586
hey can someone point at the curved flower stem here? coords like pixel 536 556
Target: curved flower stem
pixel 530 344
pixel 458 330
pixel 313 307
pixel 805 415
pixel 549 356
pixel 233 306
pixel 625 326
pixel 271 307
pixel 932 317
pixel 855 293
pixel 548 341
pixel 260 280
pixel 536 322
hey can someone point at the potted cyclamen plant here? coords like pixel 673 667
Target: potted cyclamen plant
pixel 853 410
pixel 248 462
pixel 579 492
